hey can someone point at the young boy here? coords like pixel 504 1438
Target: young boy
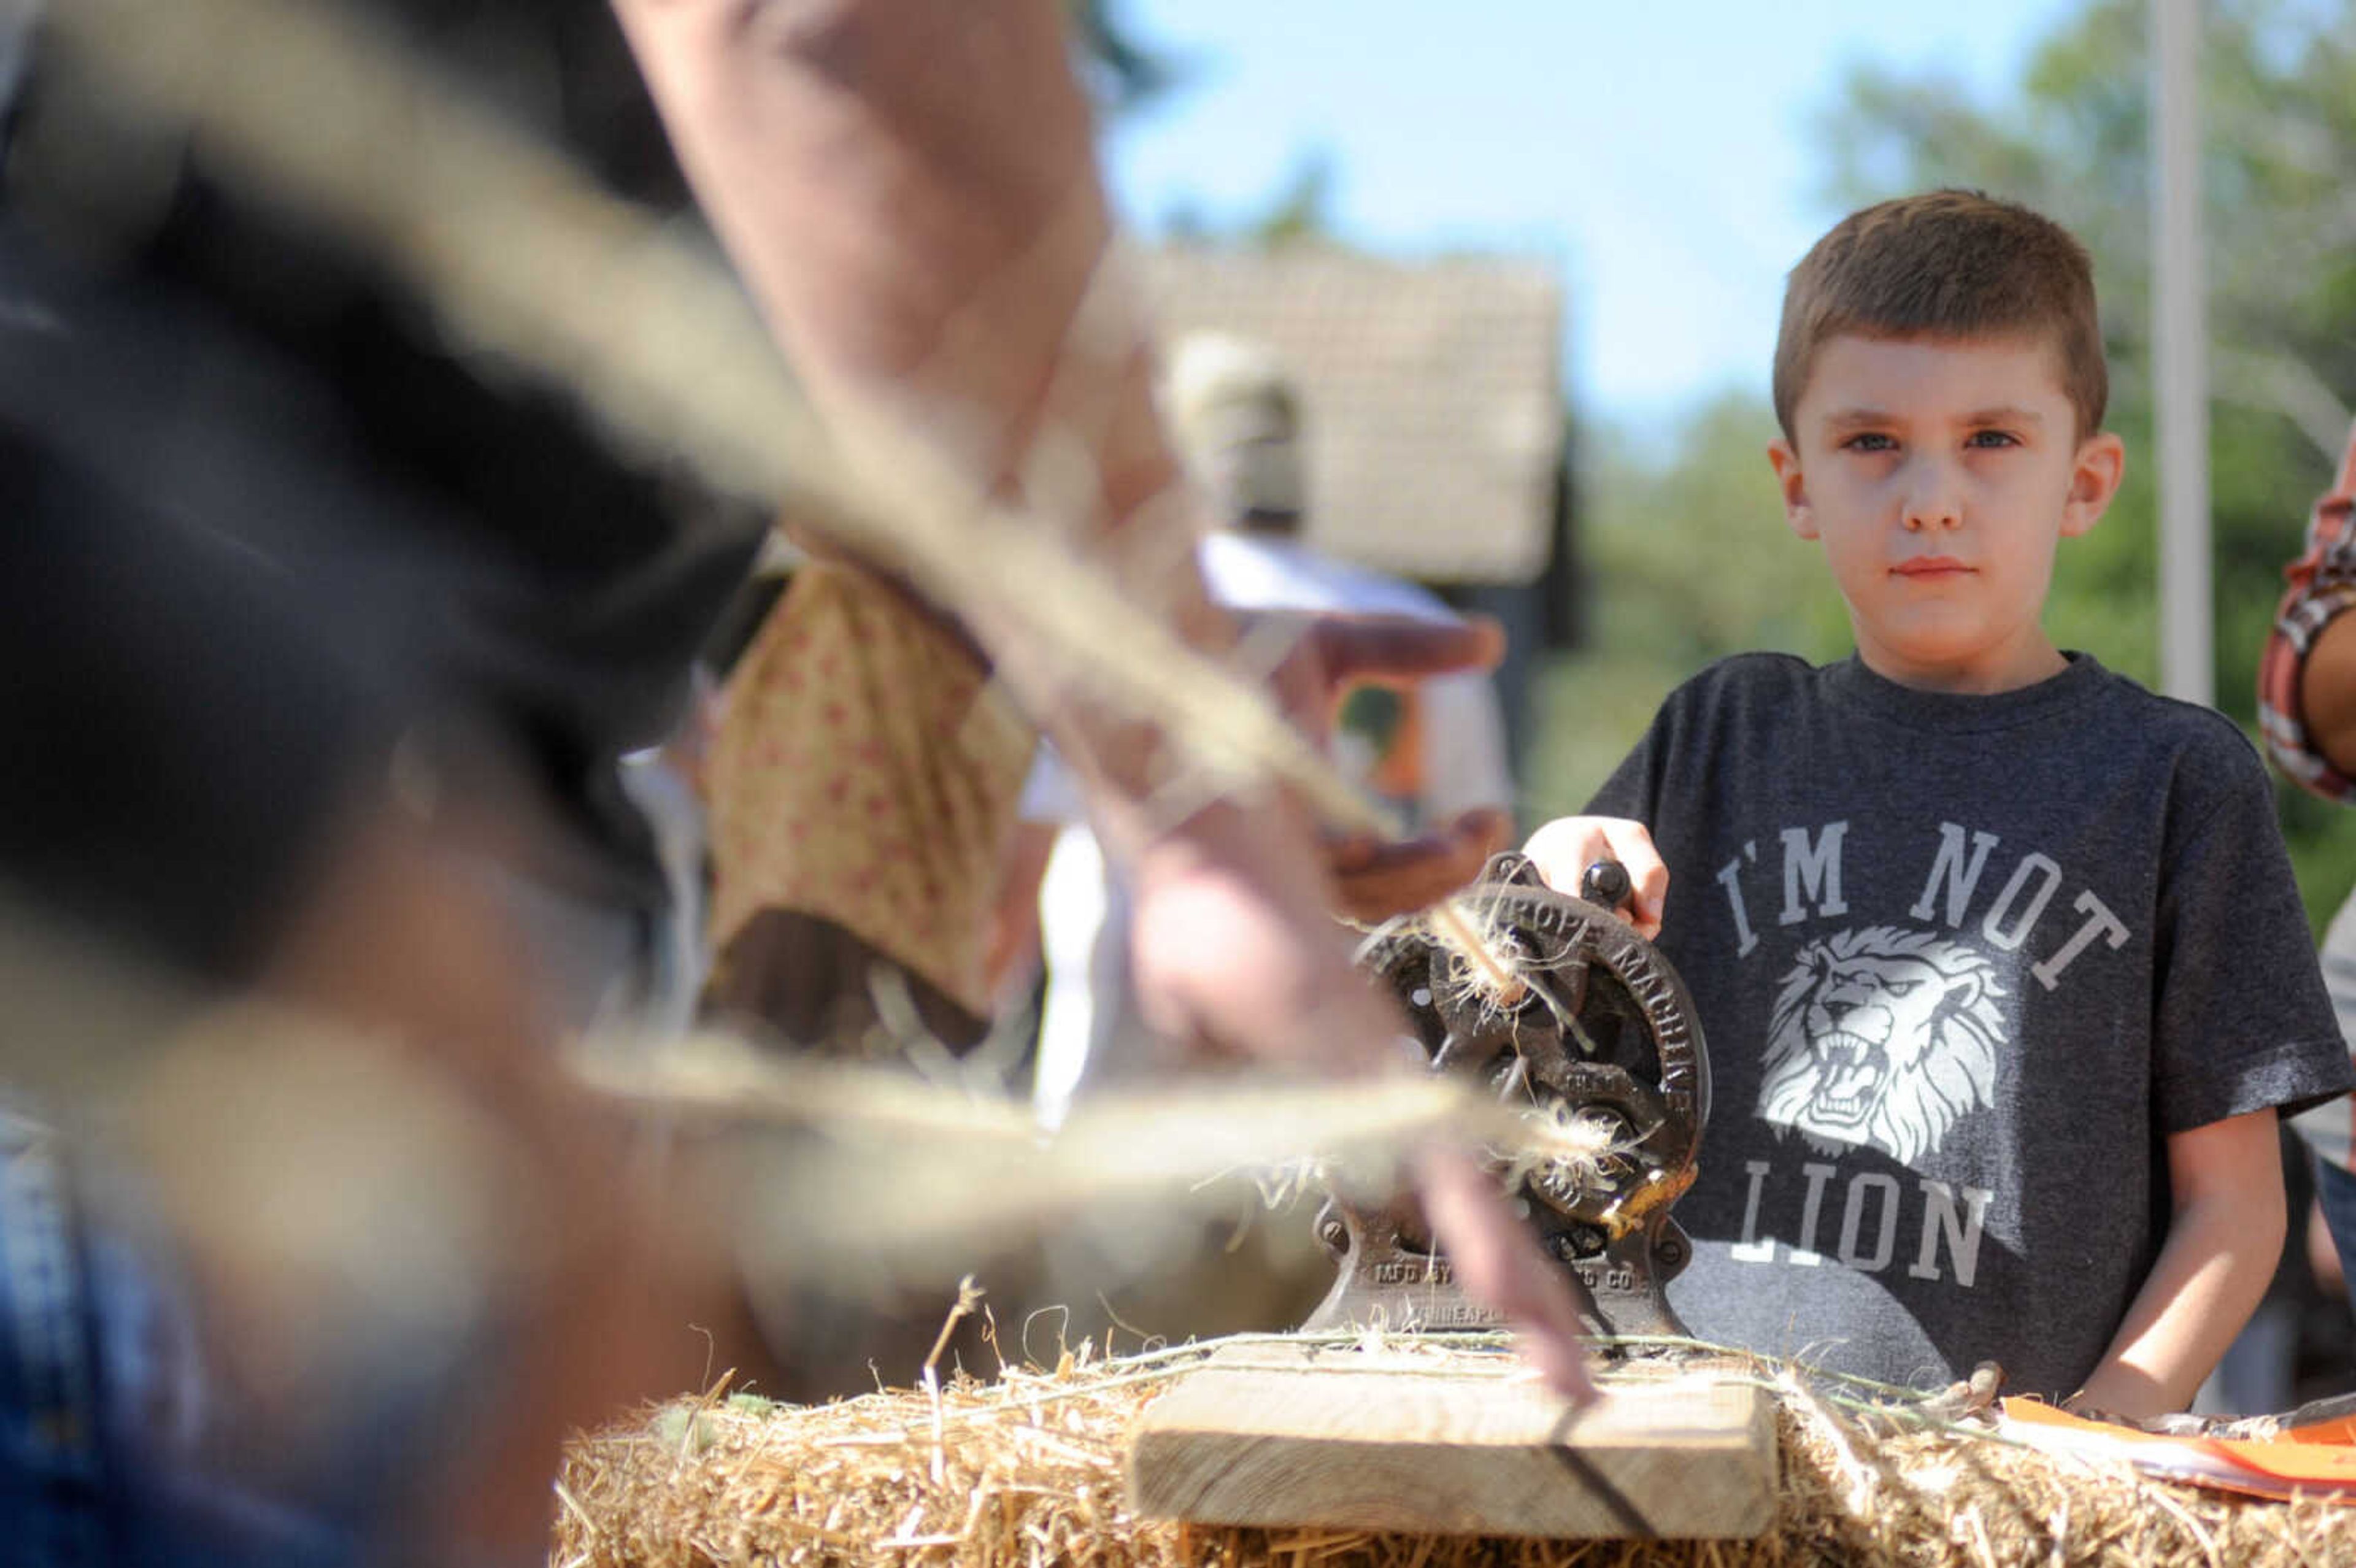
pixel 1999 958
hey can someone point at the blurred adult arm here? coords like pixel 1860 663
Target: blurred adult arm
pixel 910 190
pixel 2328 696
pixel 2307 672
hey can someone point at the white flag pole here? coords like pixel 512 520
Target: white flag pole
pixel 2181 356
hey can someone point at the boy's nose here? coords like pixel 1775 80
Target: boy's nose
pixel 1932 503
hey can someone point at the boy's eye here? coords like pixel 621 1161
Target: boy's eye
pixel 1992 438
pixel 1868 441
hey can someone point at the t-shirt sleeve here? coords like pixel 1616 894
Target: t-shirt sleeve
pixel 2242 1020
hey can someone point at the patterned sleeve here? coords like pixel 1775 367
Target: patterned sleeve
pixel 2322 584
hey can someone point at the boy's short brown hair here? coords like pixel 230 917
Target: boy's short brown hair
pixel 1951 265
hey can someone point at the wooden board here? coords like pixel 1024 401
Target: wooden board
pixel 1462 1444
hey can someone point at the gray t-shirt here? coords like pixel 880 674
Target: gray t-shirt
pixel 1962 964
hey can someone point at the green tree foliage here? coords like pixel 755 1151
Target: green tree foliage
pixel 1689 561
pixel 1301 212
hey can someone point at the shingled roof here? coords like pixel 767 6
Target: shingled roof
pixel 1431 399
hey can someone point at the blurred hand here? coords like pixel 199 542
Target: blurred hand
pixel 1332 651
pixel 1374 877
pixel 1235 952
pixel 1565 847
pixel 910 191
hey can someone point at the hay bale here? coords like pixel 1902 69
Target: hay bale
pixel 1026 1471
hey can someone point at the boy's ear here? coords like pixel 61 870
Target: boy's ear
pixel 2100 464
pixel 1794 486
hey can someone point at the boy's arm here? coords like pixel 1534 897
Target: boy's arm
pixel 2226 1181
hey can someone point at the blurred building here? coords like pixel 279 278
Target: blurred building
pixel 1432 415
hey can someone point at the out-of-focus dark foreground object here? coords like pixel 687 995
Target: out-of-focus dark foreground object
pixel 316 634
pixel 225 362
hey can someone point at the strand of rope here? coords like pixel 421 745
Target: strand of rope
pixel 901 1165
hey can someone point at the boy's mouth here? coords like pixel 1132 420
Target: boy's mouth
pixel 1929 565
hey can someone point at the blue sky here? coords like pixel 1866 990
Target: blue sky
pixel 1659 153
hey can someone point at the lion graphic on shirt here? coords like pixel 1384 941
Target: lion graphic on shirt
pixel 1881 1036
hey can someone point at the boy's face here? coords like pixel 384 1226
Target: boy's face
pixel 1939 475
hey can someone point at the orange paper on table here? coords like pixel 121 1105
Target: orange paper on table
pixel 2317 1461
